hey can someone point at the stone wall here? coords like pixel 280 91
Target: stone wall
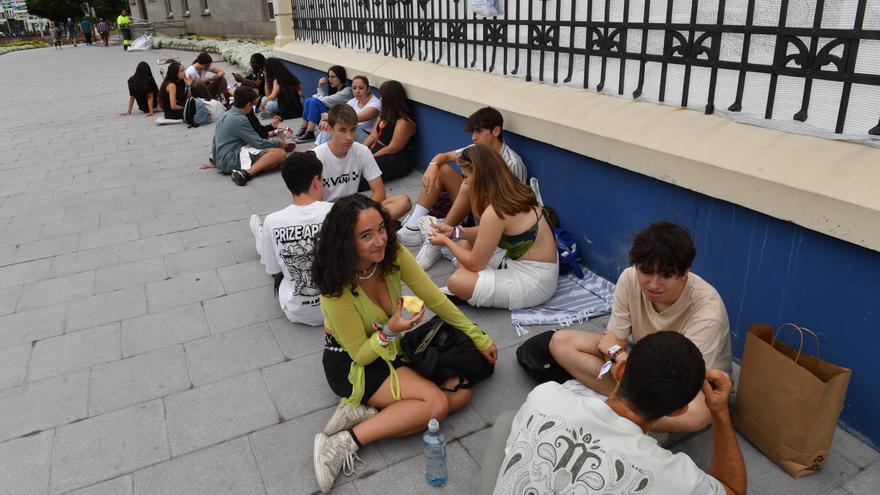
pixel 225 17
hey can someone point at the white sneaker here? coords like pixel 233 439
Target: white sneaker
pixel 257 230
pixel 409 237
pixel 345 416
pixel 428 255
pixel 333 453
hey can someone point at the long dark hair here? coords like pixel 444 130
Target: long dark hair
pixel 170 78
pixel 395 104
pixel 340 73
pixel 335 254
pixel 492 183
pixel 142 80
pixel 274 69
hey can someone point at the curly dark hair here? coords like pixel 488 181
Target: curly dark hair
pixel 335 254
pixel 663 247
pixel 663 373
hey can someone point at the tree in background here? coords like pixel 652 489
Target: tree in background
pixel 62 9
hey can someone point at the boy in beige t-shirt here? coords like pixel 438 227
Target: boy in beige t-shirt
pixel 658 292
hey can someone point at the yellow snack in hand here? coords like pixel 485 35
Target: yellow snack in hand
pixel 412 304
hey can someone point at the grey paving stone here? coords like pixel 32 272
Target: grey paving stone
pixel 228 468
pixel 506 389
pixel 183 289
pixel 136 273
pixel 232 353
pixel 243 276
pixel 126 216
pixel 81 261
pixel 149 247
pixel 165 225
pixel 199 259
pixel 853 449
pixel 299 387
pixel 138 379
pixel 157 330
pixel 296 339
pixel 23 273
pixel 217 412
pixel 57 290
pixel 15 236
pixel 105 236
pixel 243 249
pixel 123 485
pixel 45 249
pixel 475 444
pixel 242 309
pixel 455 426
pixel 13 365
pixel 106 308
pixel 45 404
pixel 26 463
pixel 28 326
pixel 866 482
pixel 409 476
pixel 223 232
pixel 77 350
pixel 109 445
pixel 8 299
pixel 67 227
pixel 284 455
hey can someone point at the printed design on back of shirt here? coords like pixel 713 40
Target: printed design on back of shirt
pixel 296 243
pixel 548 457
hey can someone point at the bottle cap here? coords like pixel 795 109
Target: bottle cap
pixel 433 425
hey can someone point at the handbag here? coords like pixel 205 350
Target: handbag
pixel 788 402
pixel 438 351
pixel 535 358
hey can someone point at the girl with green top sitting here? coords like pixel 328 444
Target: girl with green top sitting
pixel 358 268
pixel 509 260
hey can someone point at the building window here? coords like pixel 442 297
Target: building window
pixel 169 12
pixel 205 9
pixel 184 7
pixel 270 10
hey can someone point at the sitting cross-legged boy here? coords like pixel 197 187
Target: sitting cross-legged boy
pixel 347 161
pixel 657 293
pixel 237 148
pixel 286 239
pixel 486 126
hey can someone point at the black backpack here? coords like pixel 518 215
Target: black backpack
pixel 535 358
pixel 447 354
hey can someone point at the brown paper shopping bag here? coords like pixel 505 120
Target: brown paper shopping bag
pixel 787 402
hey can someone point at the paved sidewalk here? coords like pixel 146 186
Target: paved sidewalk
pixel 141 347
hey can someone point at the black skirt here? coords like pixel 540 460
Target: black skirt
pixel 337 364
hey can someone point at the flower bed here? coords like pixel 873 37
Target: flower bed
pixel 232 51
pixel 15 46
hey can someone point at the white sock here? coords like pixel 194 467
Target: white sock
pixel 418 212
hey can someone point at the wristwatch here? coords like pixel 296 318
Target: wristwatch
pixel 613 351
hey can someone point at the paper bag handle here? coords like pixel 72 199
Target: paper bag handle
pixel 800 331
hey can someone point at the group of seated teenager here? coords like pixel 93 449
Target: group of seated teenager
pixel 338 255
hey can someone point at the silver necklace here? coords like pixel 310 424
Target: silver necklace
pixel 364 277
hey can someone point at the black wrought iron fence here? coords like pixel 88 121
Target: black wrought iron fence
pixel 545 39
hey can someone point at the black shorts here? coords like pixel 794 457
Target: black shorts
pixel 337 364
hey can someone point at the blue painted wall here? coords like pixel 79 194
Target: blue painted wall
pixel 766 270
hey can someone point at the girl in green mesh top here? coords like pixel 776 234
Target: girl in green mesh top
pixel 510 260
pixel 358 269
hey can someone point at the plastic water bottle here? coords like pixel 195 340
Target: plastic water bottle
pixel 436 473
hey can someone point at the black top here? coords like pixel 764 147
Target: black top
pixel 260 87
pixel 386 133
pixel 181 100
pixel 140 94
pixel 262 130
pixel 289 103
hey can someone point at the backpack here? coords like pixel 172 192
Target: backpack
pixel 197 111
pixel 568 253
pixel 535 358
pixel 447 354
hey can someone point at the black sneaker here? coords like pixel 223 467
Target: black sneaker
pixel 240 177
pixel 308 137
pixel 302 130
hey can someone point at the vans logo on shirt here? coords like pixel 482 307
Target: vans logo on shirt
pixel 352 176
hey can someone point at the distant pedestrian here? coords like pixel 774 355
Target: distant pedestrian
pixel 56 33
pixel 104 31
pixel 123 22
pixel 71 30
pixel 86 26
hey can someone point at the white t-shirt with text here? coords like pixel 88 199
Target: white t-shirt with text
pixel 565 439
pixel 288 238
pixel 343 175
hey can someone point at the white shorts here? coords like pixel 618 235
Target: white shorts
pixel 516 284
pixel 248 155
